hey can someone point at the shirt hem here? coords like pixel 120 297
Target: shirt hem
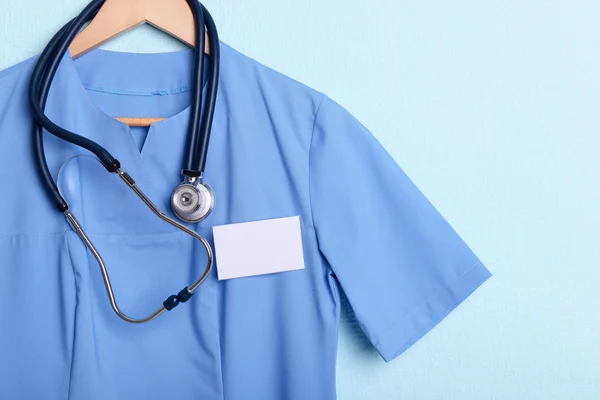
pixel 425 317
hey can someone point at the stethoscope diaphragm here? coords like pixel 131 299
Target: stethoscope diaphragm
pixel 192 201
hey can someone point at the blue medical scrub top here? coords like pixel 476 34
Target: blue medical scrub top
pixel 278 149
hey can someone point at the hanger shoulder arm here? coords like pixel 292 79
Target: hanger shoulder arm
pixel 174 18
pixel 114 18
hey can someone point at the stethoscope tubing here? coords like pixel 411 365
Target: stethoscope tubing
pixel 48 63
pixel 40 157
pixel 173 300
pixel 198 138
pixel 201 148
pixel 43 74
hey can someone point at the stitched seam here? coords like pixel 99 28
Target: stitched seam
pixel 312 134
pixel 11 235
pixel 130 92
pixel 11 70
pixel 74 317
pixel 399 351
pixel 434 295
pixel 136 234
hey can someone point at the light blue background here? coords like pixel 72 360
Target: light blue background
pixel 493 109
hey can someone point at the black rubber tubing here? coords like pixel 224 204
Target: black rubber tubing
pixel 47 65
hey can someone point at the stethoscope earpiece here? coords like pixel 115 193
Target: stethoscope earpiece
pixel 192 201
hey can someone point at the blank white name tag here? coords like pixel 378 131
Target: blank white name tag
pixel 258 248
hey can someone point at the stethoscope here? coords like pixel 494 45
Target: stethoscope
pixel 192 200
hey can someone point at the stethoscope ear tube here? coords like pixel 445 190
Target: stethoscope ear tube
pixel 43 74
pixel 171 301
pixel 39 87
pixel 38 141
pixel 212 84
pixel 193 137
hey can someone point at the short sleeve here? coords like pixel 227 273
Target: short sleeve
pixel 401 265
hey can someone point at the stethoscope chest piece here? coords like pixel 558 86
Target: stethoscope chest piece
pixel 192 201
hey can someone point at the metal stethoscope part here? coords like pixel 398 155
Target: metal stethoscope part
pixel 173 300
pixel 192 200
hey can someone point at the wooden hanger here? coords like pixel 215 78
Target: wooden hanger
pixel 115 17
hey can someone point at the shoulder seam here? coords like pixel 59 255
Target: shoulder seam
pixel 270 69
pixel 312 134
pixel 10 70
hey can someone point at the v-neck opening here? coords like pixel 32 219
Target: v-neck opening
pixel 139 134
